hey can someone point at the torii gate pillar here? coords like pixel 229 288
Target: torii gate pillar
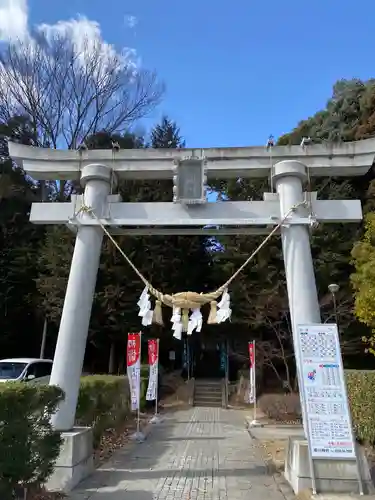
pixel 75 319
pixel 299 269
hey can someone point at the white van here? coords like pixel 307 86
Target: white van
pixel 24 369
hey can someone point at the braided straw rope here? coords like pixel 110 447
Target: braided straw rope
pixel 187 300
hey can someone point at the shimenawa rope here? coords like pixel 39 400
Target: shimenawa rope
pixel 187 300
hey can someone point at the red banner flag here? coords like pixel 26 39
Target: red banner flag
pixel 251 354
pixel 153 361
pixel 134 368
pixel 252 390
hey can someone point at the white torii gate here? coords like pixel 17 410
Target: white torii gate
pixel 98 169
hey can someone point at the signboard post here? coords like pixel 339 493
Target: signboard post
pixel 134 377
pixel 328 421
pixel 153 380
pixel 252 383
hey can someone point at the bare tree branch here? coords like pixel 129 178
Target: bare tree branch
pixel 71 92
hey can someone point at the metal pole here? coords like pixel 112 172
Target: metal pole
pixel 157 380
pixel 139 385
pixel 227 357
pixel 188 357
pixel 255 385
pixel 155 419
pixel 335 311
pixel 227 369
pixel 334 288
pixel 44 337
pixel 138 435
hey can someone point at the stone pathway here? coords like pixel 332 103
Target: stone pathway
pixel 198 454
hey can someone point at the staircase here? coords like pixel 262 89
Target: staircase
pixel 208 393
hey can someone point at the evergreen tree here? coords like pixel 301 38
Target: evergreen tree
pixel 20 324
pixel 166 135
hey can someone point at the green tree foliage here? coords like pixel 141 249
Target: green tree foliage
pixel 363 279
pixel 19 325
pixel 166 135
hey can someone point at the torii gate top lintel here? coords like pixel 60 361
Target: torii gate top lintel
pixel 328 159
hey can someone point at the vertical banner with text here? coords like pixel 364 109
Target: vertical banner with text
pixel 252 390
pixel 134 368
pixel 153 361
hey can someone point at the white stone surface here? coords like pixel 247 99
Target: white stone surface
pixel 346 159
pixel 332 476
pixel 75 461
pixel 244 213
pixel 299 270
pixel 75 318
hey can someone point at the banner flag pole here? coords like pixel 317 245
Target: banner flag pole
pixel 155 419
pixel 253 384
pixel 134 374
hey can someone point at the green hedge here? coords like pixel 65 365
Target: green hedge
pixel 103 403
pixel 361 394
pixel 29 446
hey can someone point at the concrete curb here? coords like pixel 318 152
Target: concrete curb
pixel 281 482
pixel 284 486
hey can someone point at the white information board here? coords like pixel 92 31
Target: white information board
pixel 330 432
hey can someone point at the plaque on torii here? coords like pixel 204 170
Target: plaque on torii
pixel 188 213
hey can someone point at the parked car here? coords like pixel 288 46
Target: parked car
pixel 25 369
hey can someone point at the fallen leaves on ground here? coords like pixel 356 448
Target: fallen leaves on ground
pixel 274 453
pixel 114 439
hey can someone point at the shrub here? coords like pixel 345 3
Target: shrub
pixel 281 407
pixel 29 446
pixel 361 395
pixel 103 403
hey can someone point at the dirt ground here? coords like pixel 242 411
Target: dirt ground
pixel 274 453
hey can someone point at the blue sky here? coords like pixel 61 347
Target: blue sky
pixel 236 72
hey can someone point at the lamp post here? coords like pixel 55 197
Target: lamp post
pixel 333 288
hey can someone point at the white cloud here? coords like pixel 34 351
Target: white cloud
pixel 13 19
pixel 85 34
pixel 131 21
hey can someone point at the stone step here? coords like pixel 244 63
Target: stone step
pixel 207 395
pixel 208 399
pixel 208 382
pixel 208 390
pixel 208 404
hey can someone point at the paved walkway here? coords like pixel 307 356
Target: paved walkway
pixel 198 454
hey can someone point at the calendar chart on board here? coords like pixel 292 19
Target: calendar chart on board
pixel 325 399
